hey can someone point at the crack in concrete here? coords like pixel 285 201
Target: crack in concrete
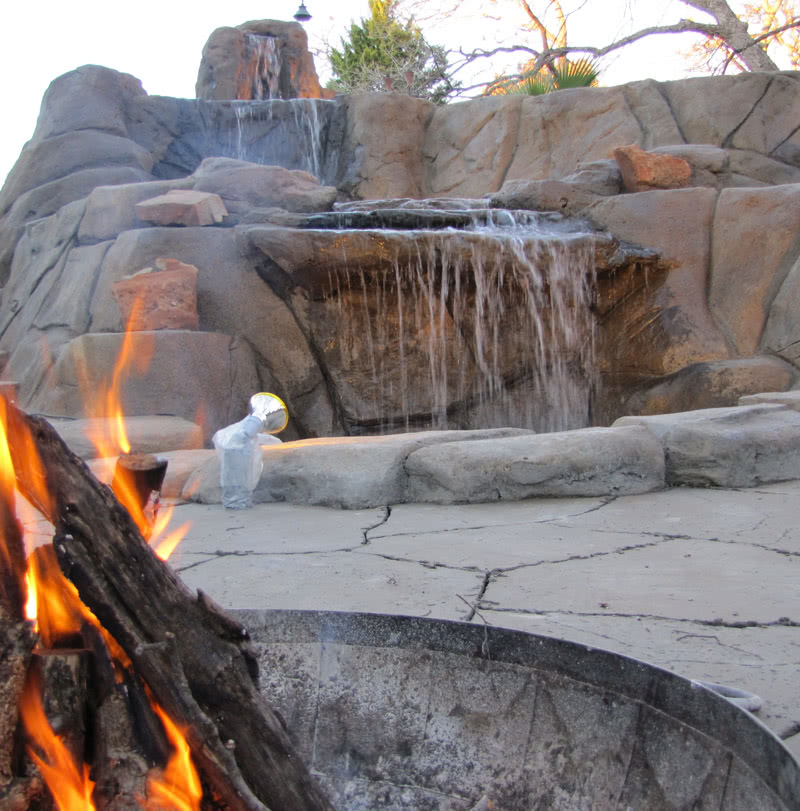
pixel 715 623
pixel 387 513
pixel 244 553
pixel 431 564
pixel 618 551
pixel 719 642
pixel 682 537
pixel 443 531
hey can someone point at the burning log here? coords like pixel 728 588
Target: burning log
pixel 194 660
pixel 139 476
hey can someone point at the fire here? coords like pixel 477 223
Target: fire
pixel 53 604
pixel 69 784
pixel 107 405
pixel 109 435
pixel 179 788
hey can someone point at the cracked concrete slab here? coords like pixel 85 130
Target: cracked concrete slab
pixel 274 528
pixel 646 576
pixel 338 581
pixel 505 546
pixel 419 518
pixel 679 579
pixel 766 516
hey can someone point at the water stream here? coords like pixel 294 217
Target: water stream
pixel 489 325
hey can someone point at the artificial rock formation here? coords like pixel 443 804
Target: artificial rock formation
pixel 258 60
pixel 690 291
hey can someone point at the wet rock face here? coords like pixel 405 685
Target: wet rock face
pixel 258 60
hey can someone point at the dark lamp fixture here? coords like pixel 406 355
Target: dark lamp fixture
pixel 302 14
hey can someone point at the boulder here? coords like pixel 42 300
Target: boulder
pixel 710 165
pixel 232 53
pixel 348 472
pixel 203 377
pixel 383 146
pixel 231 299
pixel 755 243
pixel 772 123
pixel 49 198
pixel 671 327
pixel 558 131
pixel 88 98
pixel 146 434
pixel 570 195
pixel 159 299
pixel 243 186
pixel 786 398
pixel 643 171
pixel 782 331
pixel 743 446
pixel 110 210
pixel 588 462
pixel 182 207
pixel 749 168
pixel 709 110
pixel 469 146
pixel 44 161
pixel 713 385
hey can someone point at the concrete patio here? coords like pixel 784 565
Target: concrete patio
pixel 699 581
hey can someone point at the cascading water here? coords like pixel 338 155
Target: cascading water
pixel 490 325
pixel 258 77
pixel 281 133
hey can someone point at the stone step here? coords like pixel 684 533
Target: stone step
pixel 153 434
pixel 742 446
pixel 449 467
pixel 203 377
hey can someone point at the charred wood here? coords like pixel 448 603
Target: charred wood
pixel 194 659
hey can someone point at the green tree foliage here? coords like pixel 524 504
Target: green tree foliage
pixel 383 53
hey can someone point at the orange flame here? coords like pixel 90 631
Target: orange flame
pixel 135 352
pixel 70 786
pixel 53 602
pixel 179 788
pixel 110 437
pixel 56 607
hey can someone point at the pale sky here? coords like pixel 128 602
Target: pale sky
pixel 160 43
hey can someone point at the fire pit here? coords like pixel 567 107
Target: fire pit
pixel 406 713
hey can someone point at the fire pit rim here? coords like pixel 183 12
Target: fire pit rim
pixel 685 700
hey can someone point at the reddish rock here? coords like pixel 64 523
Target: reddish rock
pixel 183 207
pixel 166 298
pixel 643 171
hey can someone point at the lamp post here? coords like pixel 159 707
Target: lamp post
pixel 302 14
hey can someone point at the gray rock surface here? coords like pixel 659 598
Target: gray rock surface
pixel 349 472
pixel 193 375
pixel 755 243
pixel 727 447
pixel 713 385
pixel 243 185
pixel 782 330
pixel 148 434
pixel 787 398
pixel 587 462
pixel 99 128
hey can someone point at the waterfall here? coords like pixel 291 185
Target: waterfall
pixel 258 77
pixel 486 326
pixel 281 133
